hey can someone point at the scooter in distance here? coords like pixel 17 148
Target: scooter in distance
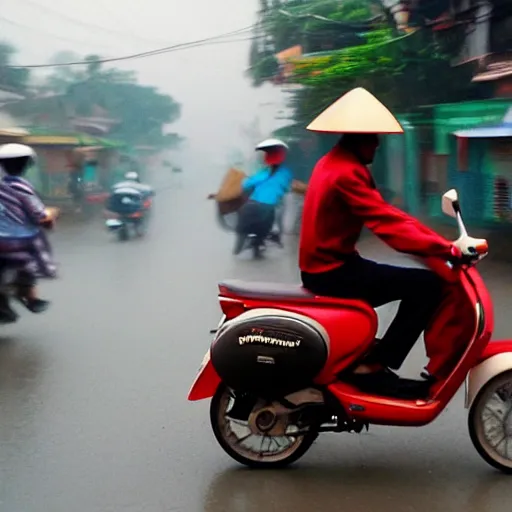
pixel 128 209
pixel 286 349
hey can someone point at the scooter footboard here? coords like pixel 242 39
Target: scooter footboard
pixel 496 359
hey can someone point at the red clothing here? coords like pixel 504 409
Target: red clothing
pixel 341 198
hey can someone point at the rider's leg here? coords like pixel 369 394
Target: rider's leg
pixel 265 215
pixel 419 290
pixel 242 226
pixel 7 314
pixel 27 293
pixel 420 293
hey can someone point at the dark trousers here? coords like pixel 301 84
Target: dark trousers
pixel 279 218
pixel 255 218
pixel 419 290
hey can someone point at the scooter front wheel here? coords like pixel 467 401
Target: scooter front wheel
pixel 251 449
pixel 490 422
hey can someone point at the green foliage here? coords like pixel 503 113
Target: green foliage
pixel 362 49
pixel 59 81
pixel 141 110
pixel 15 79
pixel 404 72
pixel 264 69
pixel 285 24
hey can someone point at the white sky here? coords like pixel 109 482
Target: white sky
pixel 209 81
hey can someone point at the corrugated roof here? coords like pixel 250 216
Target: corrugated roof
pixel 501 130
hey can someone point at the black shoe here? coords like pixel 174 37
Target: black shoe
pixel 372 382
pixel 425 375
pixel 389 384
pixel 276 238
pixel 8 316
pixel 35 305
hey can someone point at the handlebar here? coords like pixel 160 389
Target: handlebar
pixel 472 247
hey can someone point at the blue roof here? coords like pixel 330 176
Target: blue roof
pixel 503 129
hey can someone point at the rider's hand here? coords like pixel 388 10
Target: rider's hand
pixel 467 250
pixel 50 218
pixel 52 212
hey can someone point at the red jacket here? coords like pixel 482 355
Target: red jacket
pixel 341 198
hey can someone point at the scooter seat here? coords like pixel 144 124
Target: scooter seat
pixel 290 292
pixel 263 290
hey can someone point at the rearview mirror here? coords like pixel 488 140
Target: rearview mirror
pixel 450 203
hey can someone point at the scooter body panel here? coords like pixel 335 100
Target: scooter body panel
pixel 480 375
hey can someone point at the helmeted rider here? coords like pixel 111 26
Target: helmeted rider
pixel 23 205
pixel 132 180
pixel 132 176
pixel 342 198
pixel 266 189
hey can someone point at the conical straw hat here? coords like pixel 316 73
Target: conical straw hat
pixel 357 111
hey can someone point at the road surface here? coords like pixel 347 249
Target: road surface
pixel 93 409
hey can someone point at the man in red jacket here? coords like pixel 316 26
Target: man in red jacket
pixel 342 198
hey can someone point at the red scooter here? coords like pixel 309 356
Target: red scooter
pixel 285 350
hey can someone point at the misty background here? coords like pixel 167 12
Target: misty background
pixel 219 106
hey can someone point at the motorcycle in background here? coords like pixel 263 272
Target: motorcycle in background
pixel 128 209
pixel 14 237
pixel 228 218
pixel 283 352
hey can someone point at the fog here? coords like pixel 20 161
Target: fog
pixel 208 81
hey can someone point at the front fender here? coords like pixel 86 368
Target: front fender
pixel 499 362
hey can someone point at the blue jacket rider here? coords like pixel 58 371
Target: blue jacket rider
pixel 266 190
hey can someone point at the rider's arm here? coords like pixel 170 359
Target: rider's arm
pixel 399 230
pixel 32 205
pixel 287 180
pixel 251 181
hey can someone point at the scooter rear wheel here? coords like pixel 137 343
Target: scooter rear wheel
pixel 232 437
pixel 122 233
pixel 490 422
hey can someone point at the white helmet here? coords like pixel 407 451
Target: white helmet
pixel 267 144
pixel 8 151
pixel 15 159
pixel 132 176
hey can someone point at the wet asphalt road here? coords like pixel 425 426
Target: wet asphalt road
pixel 93 409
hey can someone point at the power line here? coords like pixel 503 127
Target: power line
pixel 349 24
pixel 172 48
pixel 47 34
pixel 85 24
pixel 181 46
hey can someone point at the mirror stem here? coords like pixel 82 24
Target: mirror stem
pixel 460 224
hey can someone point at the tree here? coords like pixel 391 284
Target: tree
pixel 11 78
pixel 404 70
pixel 141 111
pixel 316 25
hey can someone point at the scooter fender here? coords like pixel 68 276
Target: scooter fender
pixel 487 369
pixel 206 382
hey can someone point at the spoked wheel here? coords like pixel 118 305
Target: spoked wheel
pixel 490 422
pixel 255 445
